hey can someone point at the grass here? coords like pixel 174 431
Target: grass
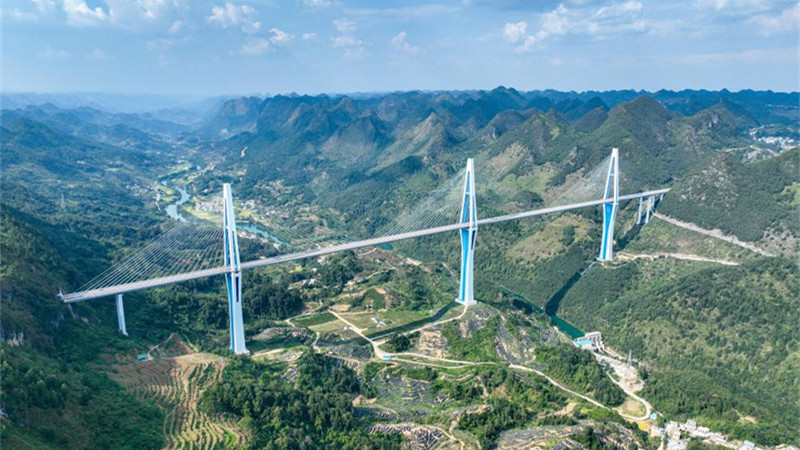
pixel 405 321
pixel 333 326
pixel 632 407
pixel 392 319
pixel 271 344
pixel 313 319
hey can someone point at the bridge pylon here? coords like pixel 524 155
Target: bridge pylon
pixel 469 215
pixel 611 196
pixel 233 277
pixel 121 315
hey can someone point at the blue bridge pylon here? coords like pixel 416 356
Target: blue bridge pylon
pixel 611 198
pixel 469 215
pixel 233 277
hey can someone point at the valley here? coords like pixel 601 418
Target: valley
pixel 366 348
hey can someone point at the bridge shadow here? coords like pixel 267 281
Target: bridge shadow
pixel 628 237
pixel 551 307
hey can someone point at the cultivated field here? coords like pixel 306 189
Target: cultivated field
pixel 176 384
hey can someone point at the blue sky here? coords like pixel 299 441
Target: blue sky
pixel 202 47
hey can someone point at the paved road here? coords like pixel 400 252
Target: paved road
pixel 718 234
pixel 558 385
pixel 683 256
pixel 648 408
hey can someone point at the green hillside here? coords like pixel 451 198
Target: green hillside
pixel 746 199
pixel 718 341
pixel 51 389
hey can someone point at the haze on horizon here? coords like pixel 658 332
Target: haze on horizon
pixel 222 47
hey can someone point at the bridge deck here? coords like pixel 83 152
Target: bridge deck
pixel 163 281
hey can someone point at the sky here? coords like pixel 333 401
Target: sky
pixel 266 47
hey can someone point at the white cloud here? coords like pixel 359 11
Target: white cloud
pixel 355 53
pixel 52 53
pixel 406 12
pixel 775 24
pixel 317 3
pixel 528 44
pixel 79 13
pixel 44 6
pixel 399 42
pixel 608 20
pixel 161 44
pixel 309 36
pixel 127 14
pixel 345 41
pixel 255 47
pixel 345 26
pixel 176 27
pixel 513 32
pixel 747 56
pixel 280 37
pixel 231 15
pixel 19 15
pixel 135 9
pixel 733 6
pixel 165 60
pixel 96 55
pixel 354 48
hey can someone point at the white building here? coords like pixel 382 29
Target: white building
pixel 591 341
pixel 747 445
pixel 677 445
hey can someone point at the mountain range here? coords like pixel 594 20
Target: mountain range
pixel 710 322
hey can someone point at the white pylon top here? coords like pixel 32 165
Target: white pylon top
pixel 612 179
pixel 469 213
pixel 232 247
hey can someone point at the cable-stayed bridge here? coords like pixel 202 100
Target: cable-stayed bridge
pixel 190 251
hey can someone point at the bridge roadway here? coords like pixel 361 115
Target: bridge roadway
pixel 163 281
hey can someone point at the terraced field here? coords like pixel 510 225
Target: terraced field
pixel 176 384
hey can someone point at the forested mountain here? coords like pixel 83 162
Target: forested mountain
pixel 710 322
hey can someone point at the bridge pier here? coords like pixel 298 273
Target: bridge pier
pixel 651 206
pixel 233 277
pixel 121 315
pixel 639 215
pixel 611 196
pixel 469 215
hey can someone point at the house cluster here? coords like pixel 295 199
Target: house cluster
pixel 679 434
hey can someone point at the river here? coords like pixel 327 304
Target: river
pixel 174 213
pixel 528 306
pixel 172 208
